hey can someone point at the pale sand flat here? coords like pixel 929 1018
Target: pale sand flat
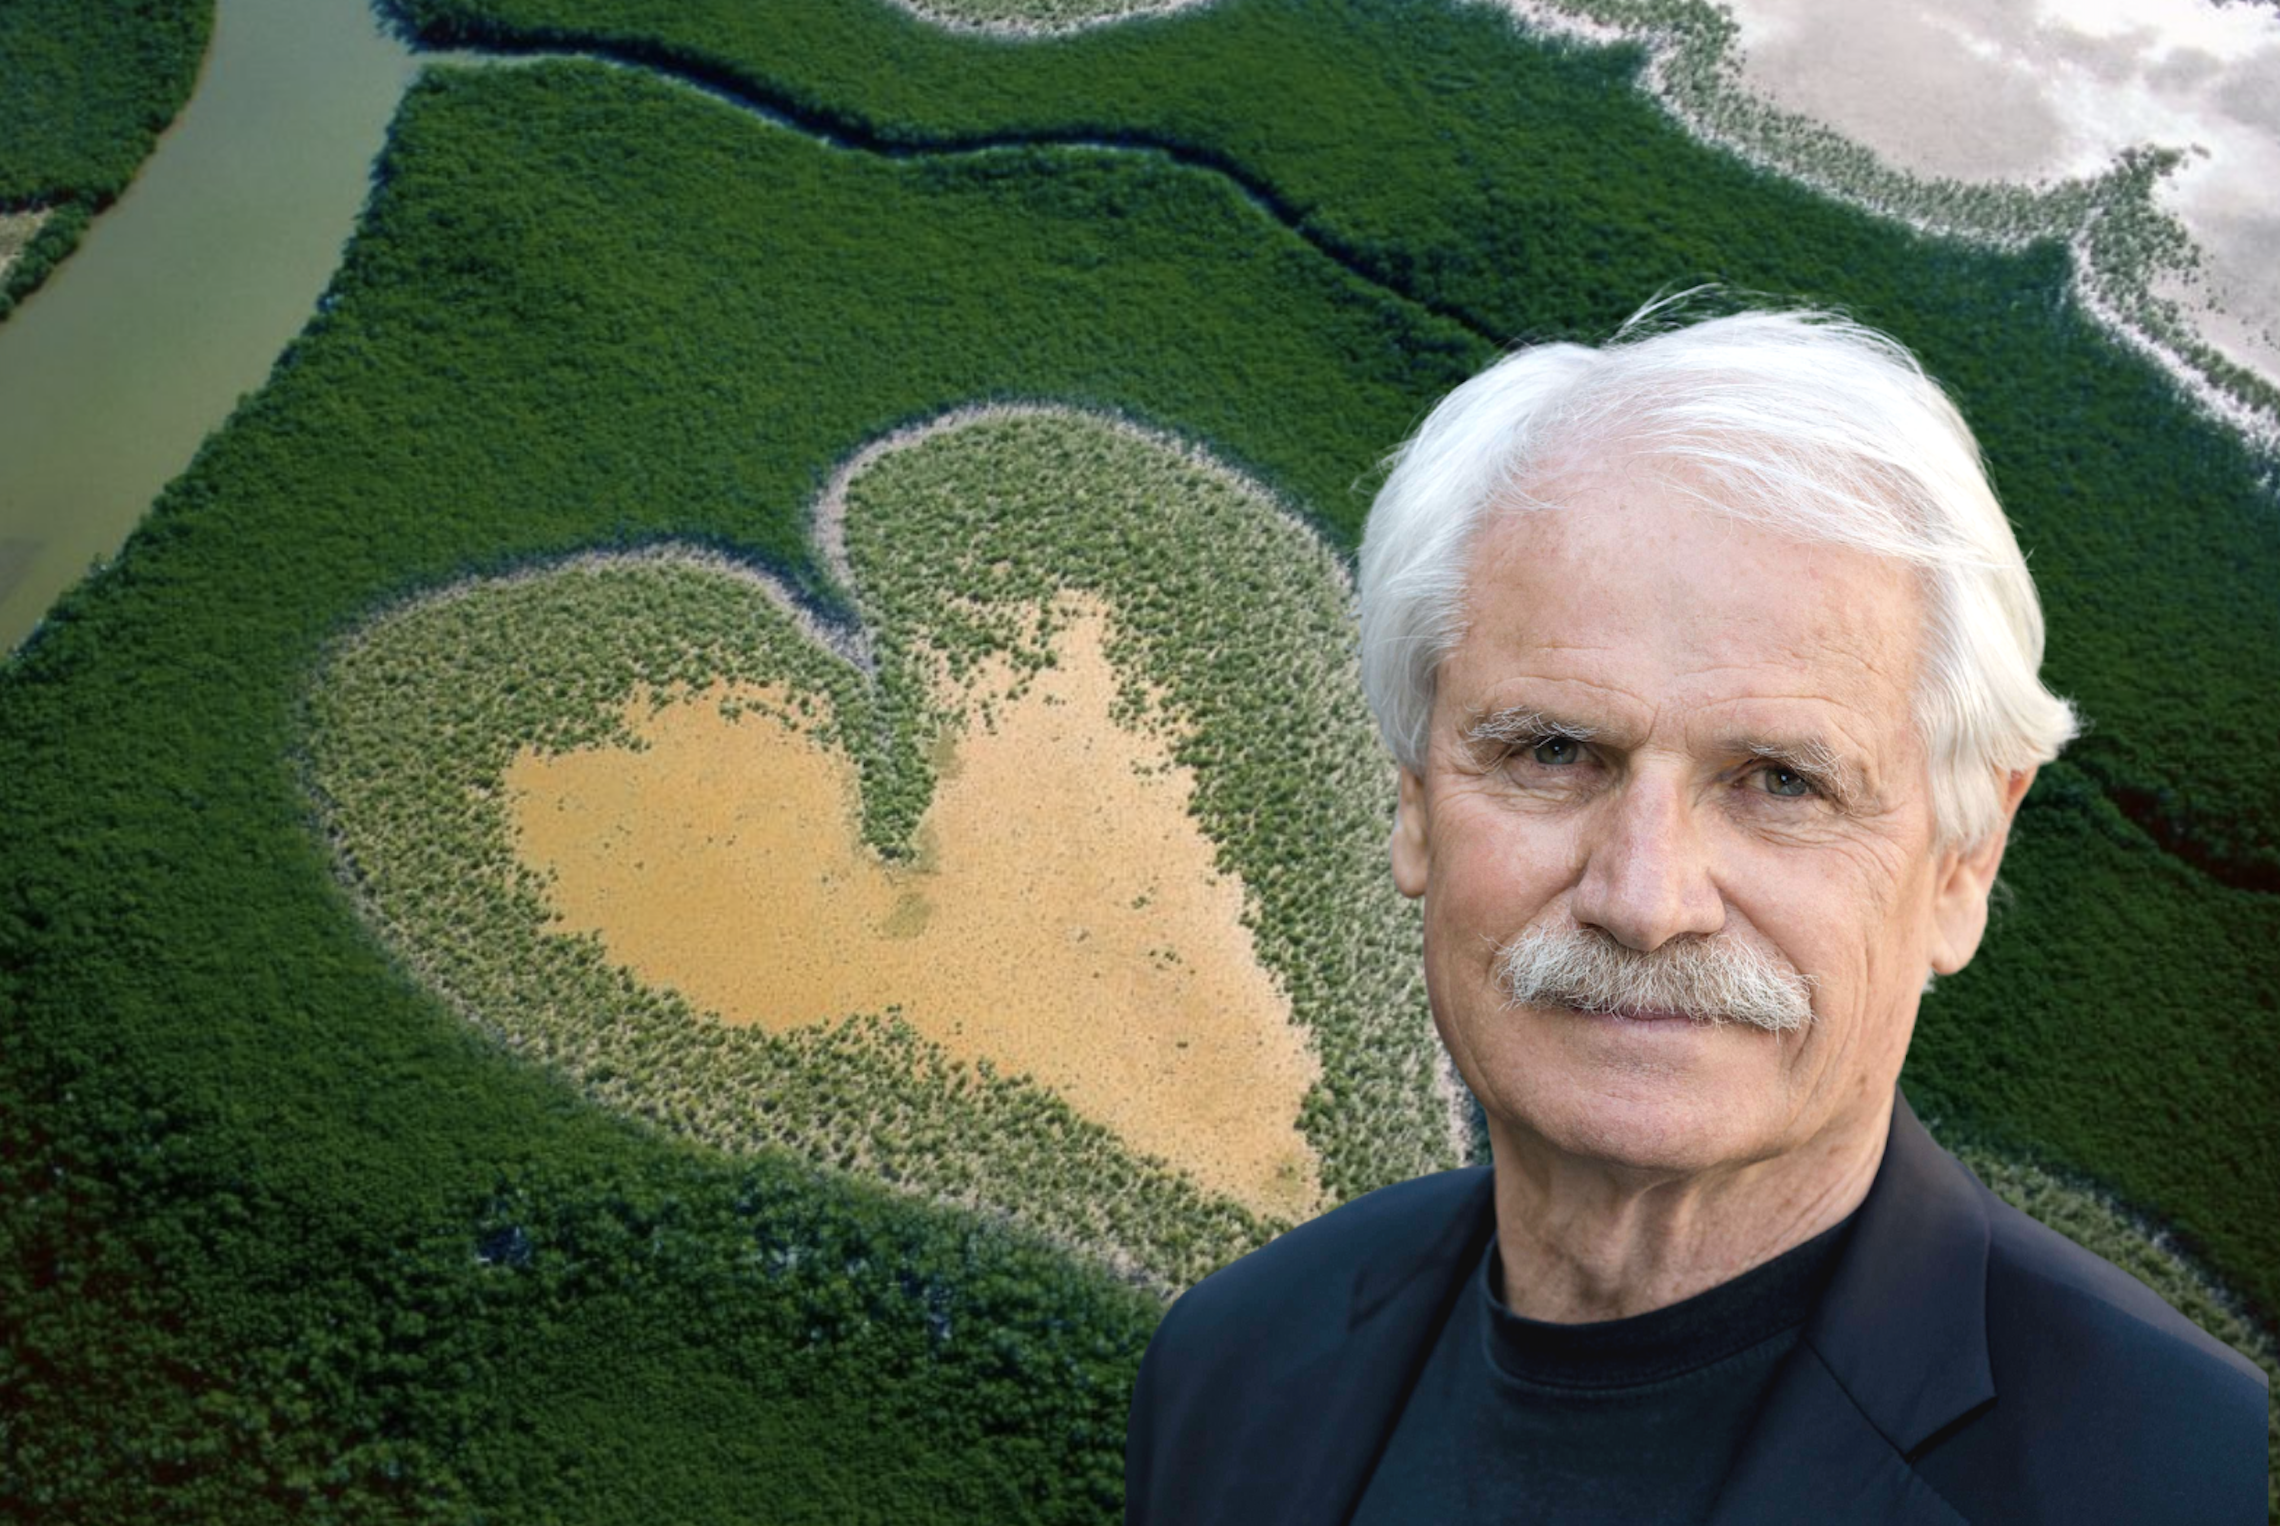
pixel 1065 919
pixel 1976 91
pixel 17 229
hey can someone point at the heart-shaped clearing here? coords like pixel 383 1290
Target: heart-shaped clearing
pixel 1099 730
pixel 1065 918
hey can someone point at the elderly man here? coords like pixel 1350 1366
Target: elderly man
pixel 1709 662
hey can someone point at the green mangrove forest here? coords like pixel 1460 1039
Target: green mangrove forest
pixel 85 88
pixel 339 1188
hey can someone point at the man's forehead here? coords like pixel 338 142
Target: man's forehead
pixel 1614 567
pixel 1614 608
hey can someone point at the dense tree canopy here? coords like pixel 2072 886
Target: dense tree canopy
pixel 85 87
pixel 287 1237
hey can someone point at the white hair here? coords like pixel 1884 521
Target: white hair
pixel 1803 422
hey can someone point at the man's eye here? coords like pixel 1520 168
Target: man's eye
pixel 1784 781
pixel 1557 751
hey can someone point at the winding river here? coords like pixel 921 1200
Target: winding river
pixel 181 296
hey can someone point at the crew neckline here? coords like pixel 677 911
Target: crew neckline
pixel 1720 1322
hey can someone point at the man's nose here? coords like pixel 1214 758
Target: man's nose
pixel 1646 875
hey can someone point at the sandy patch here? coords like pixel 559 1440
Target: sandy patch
pixel 2008 123
pixel 17 229
pixel 2035 93
pixel 1064 918
pixel 1036 18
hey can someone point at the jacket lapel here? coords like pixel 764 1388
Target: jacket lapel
pixel 1813 1456
pixel 1358 1383
pixel 1895 1353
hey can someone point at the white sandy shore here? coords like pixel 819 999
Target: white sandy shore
pixel 1937 96
pixel 2058 89
pixel 1082 15
pixel 17 229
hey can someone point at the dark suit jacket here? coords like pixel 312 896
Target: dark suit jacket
pixel 1965 1364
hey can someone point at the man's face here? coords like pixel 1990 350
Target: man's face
pixel 1666 728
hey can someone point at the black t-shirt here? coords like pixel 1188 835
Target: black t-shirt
pixel 1626 1421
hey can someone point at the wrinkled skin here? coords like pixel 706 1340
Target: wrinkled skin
pixel 1643 1159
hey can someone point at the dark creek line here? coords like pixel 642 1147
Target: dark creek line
pixel 839 130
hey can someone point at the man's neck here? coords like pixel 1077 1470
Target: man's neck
pixel 1582 1240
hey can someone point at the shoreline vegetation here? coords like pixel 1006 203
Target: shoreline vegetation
pixel 89 88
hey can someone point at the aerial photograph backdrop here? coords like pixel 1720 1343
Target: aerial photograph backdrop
pixel 685 805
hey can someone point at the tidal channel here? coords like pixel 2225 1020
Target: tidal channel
pixel 181 296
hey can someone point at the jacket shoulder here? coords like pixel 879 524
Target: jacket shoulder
pixel 2031 1265
pixel 2109 1404
pixel 1228 1407
pixel 1302 1282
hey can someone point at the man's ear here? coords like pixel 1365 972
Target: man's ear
pixel 1962 879
pixel 1408 843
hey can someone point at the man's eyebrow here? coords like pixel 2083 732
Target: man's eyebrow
pixel 1525 723
pixel 1811 758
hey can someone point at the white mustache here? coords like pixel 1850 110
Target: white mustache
pixel 1709 979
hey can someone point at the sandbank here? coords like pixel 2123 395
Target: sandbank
pixel 17 230
pixel 2003 125
pixel 1030 18
pixel 1064 918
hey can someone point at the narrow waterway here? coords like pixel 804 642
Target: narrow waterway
pixel 182 295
